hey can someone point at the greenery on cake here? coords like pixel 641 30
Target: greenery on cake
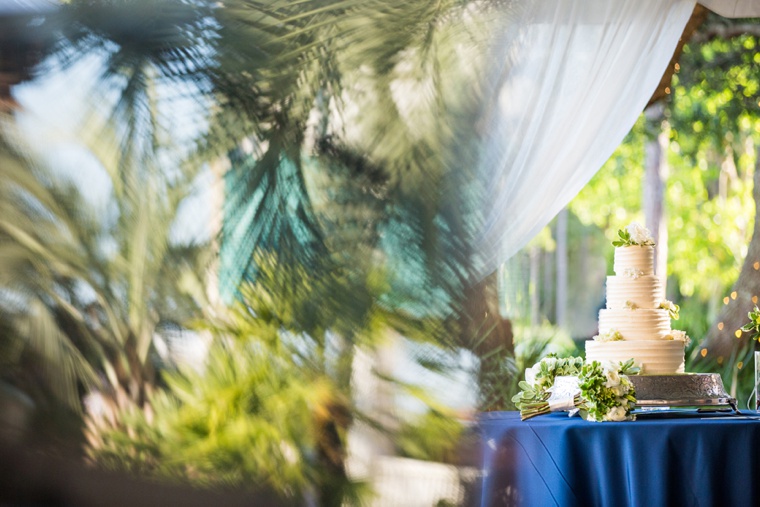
pixel 634 235
pixel 600 391
pixel 672 308
pixel 613 335
pixel 753 326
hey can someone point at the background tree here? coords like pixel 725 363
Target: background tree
pixel 298 81
pixel 88 287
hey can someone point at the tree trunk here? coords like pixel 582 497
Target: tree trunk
pixel 654 190
pixel 489 336
pixel 561 297
pixel 331 453
pixel 722 338
pixel 533 285
pixel 548 292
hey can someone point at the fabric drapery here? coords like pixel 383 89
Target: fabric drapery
pixel 569 80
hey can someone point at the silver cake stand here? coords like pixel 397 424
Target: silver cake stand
pixel 682 390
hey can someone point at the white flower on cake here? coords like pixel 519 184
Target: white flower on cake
pixel 672 308
pixel 613 335
pixel 679 335
pixel 634 235
pixel 633 273
pixel 630 305
pixel 640 235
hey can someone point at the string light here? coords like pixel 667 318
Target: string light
pixel 740 364
pixel 756 265
pixel 667 90
pixel 677 66
pixel 725 300
pixel 720 359
pixel 733 295
pixel 754 299
pixel 720 326
pixel 703 352
pixel 738 333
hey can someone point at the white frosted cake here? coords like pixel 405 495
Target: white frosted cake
pixel 636 322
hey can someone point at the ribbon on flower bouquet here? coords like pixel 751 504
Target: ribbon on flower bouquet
pixel 563 393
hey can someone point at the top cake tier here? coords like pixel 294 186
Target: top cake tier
pixel 634 261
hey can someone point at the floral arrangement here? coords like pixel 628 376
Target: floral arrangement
pixel 606 392
pixel 753 326
pixel 672 308
pixel 541 376
pixel 634 235
pixel 613 335
pixel 539 379
pixel 633 273
pixel 630 305
pixel 600 392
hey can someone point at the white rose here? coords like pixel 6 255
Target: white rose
pixel 615 414
pixel 639 234
pixel 613 378
pixel 530 374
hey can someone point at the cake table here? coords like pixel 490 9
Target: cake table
pixel 661 459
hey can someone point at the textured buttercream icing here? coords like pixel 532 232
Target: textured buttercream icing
pixel 635 324
pixel 644 292
pixel 630 258
pixel 656 357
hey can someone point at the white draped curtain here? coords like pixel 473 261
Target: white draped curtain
pixel 570 79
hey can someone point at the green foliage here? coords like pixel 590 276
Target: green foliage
pixel 272 407
pixel 625 239
pixel 608 201
pixel 753 326
pixel 673 309
pixel 266 411
pixel 553 366
pixel 433 436
pixel 599 395
pixel 531 344
pixel 245 421
pixel 715 122
pixel 89 291
pixel 544 371
pixel 713 126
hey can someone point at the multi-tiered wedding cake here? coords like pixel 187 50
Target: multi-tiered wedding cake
pixel 636 322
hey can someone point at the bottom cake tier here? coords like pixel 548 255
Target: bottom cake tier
pixel 653 356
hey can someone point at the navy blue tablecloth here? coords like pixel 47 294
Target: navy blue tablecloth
pixel 690 459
